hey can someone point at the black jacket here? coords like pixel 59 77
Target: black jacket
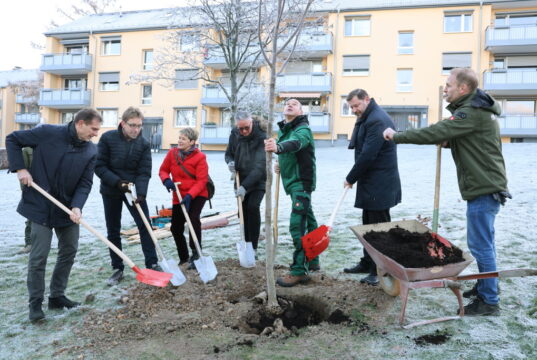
pixel 62 165
pixel 248 153
pixel 375 161
pixel 119 159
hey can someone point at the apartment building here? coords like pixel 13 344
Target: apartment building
pixel 18 108
pixel 399 51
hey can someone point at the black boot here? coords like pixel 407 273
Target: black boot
pixel 36 312
pixel 61 302
pixel 361 267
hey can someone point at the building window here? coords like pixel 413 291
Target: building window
pixel 186 79
pixel 356 64
pixel 345 108
pixel 74 84
pixel 188 42
pixel 225 118
pixel 148 60
pixel 515 20
pixel 111 46
pixel 185 117
pixel 358 26
pixel 147 94
pixel 455 60
pixel 109 81
pixel 406 42
pixel 110 118
pixel 67 116
pixel 404 80
pixel 461 22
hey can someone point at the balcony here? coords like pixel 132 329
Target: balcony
pixel 216 60
pixel 315 83
pixel 319 122
pixel 312 45
pixel 518 125
pixel 214 96
pixel 66 64
pixel 21 99
pixel 510 82
pixel 64 99
pixel 520 39
pixel 214 135
pixel 27 118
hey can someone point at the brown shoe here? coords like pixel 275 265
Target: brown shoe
pixel 292 280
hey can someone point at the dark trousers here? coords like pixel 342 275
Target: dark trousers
pixel 252 217
pixel 112 212
pixel 373 217
pixel 178 226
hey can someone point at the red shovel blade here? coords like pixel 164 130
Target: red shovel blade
pixel 434 249
pixel 152 277
pixel 441 239
pixel 315 242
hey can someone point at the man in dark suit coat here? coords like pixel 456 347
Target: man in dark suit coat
pixel 375 170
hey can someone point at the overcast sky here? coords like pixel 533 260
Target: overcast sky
pixel 24 21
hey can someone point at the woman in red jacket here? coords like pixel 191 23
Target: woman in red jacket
pixel 186 164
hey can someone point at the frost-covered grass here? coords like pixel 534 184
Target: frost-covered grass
pixel 513 335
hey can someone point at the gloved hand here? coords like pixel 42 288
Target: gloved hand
pixel 140 199
pixel 240 192
pixel 186 201
pixel 123 186
pixel 231 166
pixel 170 186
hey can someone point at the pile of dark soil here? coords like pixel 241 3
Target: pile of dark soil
pixel 412 249
pixel 232 304
pixel 436 338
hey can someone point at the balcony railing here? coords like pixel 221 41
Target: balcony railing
pixel 319 121
pixel 318 43
pixel 64 99
pixel 215 59
pixel 518 124
pixel 214 95
pixel 66 64
pixel 511 81
pixel 508 35
pixel 27 118
pixel 312 82
pixel 21 99
pixel 212 134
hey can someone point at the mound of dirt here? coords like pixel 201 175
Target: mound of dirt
pixel 413 249
pixel 233 302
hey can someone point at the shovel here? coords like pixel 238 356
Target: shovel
pixel 245 249
pixel 146 276
pixel 205 264
pixel 168 266
pixel 316 241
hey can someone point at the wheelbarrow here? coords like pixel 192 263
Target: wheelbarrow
pixel 396 279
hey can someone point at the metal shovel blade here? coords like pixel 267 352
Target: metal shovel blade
pixel 206 268
pixel 246 254
pixel 178 278
pixel 152 277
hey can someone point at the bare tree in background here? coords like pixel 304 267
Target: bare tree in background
pixel 212 31
pixel 280 23
pixel 29 89
pixel 78 9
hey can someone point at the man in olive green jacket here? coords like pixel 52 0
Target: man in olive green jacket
pixel 296 159
pixel 473 135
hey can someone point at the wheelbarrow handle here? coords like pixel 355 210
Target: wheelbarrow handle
pixel 499 274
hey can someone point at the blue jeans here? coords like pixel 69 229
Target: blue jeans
pixel 112 213
pixel 481 213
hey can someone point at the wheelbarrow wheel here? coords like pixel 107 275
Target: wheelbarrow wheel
pixel 388 283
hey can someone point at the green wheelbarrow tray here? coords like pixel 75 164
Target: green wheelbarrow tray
pixel 396 279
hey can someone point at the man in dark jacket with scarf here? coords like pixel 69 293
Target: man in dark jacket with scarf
pixel 125 157
pixel 296 157
pixel 375 170
pixel 63 164
pixel 245 153
pixel 473 134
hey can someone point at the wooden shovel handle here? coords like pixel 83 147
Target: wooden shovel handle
pixel 338 205
pixel 86 225
pixel 190 227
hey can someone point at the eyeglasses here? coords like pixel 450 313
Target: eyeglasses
pixel 244 128
pixel 134 126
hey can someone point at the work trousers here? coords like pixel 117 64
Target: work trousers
pixel 302 221
pixel 178 227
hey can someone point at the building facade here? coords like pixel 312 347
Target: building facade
pixel 401 54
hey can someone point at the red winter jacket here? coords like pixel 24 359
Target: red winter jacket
pixel 196 164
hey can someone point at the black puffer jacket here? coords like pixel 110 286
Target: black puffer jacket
pixel 62 165
pixel 120 159
pixel 248 153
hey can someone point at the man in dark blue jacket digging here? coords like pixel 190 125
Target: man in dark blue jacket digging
pixel 125 157
pixel 375 170
pixel 63 164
